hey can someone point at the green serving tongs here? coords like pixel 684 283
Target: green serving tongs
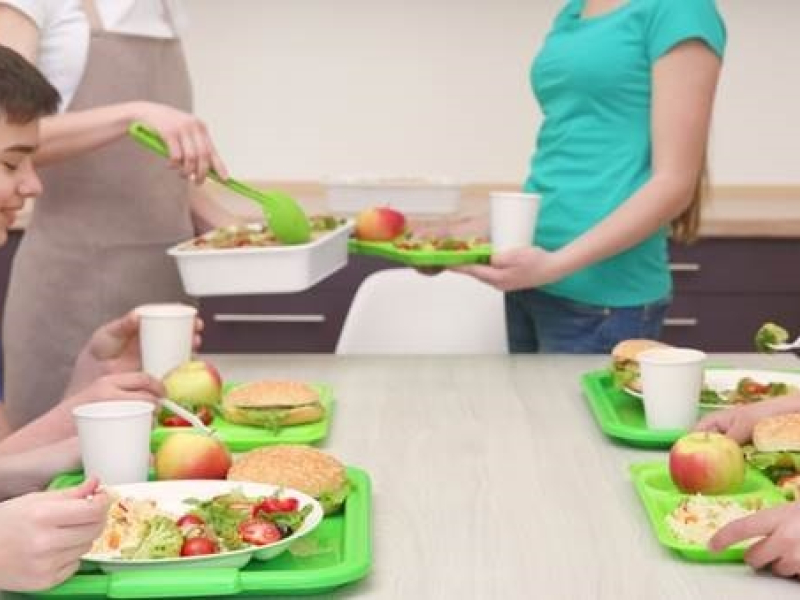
pixel 284 215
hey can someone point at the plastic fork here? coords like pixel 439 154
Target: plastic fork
pixel 785 347
pixel 286 218
pixel 192 418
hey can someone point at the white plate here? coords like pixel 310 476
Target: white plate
pixel 725 380
pixel 170 496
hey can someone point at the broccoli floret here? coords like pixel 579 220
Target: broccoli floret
pixel 162 539
pixel 768 334
pixel 333 501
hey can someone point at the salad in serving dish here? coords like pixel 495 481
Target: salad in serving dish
pixel 139 529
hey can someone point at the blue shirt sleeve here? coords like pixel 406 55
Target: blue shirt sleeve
pixel 675 21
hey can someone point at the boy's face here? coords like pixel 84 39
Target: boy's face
pixel 18 179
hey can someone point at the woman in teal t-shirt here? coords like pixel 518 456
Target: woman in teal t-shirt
pixel 626 89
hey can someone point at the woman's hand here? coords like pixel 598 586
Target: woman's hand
pixel 191 148
pixel 738 422
pixel 779 547
pixel 44 534
pixel 518 269
pixel 114 348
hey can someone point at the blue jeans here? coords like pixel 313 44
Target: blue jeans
pixel 540 322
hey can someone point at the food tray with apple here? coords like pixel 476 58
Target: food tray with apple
pixel 381 231
pixel 241 437
pixel 336 552
pixel 683 522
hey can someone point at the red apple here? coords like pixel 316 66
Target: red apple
pixel 195 383
pixel 706 463
pixel 192 455
pixel 380 224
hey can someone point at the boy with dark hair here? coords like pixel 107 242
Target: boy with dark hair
pixel 44 534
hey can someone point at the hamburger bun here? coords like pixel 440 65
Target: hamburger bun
pixel 298 467
pixel 780 433
pixel 625 364
pixel 272 404
pixel 630 349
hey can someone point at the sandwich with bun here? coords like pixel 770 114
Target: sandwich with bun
pixel 775 450
pixel 625 366
pixel 272 404
pixel 302 468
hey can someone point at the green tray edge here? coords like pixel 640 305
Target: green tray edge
pixel 309 433
pixel 421 258
pixel 356 564
pixel 594 391
pixel 639 471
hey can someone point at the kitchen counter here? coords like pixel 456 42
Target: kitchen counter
pixel 732 211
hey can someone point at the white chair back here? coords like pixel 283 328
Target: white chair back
pixel 400 311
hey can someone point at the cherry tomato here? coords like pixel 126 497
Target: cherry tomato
pixel 259 533
pixel 753 388
pixel 175 421
pixel 189 519
pixel 273 505
pixel 206 415
pixel 198 546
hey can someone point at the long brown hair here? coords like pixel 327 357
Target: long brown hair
pixel 686 226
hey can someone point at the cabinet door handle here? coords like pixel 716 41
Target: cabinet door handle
pixel 238 318
pixel 684 267
pixel 681 322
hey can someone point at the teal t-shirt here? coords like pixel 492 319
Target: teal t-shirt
pixel 593 81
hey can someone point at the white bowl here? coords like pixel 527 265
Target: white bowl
pixel 170 496
pixel 274 269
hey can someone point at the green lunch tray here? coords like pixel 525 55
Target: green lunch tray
pixel 621 416
pixel 422 258
pixel 660 497
pixel 241 438
pixel 337 552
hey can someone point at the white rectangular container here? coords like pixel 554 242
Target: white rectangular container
pixel 270 270
pixel 410 196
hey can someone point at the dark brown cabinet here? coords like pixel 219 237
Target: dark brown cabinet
pixel 726 288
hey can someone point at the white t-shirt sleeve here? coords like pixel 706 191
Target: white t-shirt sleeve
pixel 35 10
pixel 63 41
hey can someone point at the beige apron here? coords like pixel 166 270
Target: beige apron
pixel 95 245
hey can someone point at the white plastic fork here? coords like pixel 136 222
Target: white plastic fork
pixel 193 419
pixel 785 347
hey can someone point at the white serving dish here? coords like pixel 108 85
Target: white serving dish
pixel 270 270
pixel 410 196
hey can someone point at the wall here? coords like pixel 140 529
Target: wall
pixel 304 89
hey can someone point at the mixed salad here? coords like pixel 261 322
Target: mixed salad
pixel 697 518
pixel 139 530
pixel 747 390
pixel 434 243
pixel 256 235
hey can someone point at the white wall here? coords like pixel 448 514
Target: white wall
pixel 303 89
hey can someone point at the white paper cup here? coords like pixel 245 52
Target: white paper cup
pixel 513 219
pixel 672 379
pixel 115 439
pixel 165 336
